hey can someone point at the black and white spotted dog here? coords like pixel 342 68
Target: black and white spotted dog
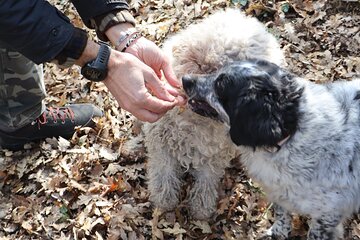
pixel 299 139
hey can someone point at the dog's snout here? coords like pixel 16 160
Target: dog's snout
pixel 188 82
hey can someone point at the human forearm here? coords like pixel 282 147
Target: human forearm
pixel 90 52
pixel 115 32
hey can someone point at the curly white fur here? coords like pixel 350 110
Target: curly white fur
pixel 183 139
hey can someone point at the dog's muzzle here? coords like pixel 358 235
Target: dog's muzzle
pixel 197 97
pixel 203 108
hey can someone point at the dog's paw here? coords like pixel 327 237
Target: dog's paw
pixel 268 235
pixel 201 214
pixel 277 231
pixel 265 237
pixel 165 201
pixel 164 188
pixel 202 209
pixel 271 238
pixel 163 196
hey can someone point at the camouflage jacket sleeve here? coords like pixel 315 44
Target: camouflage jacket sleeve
pixel 39 31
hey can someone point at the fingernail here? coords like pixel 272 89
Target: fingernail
pixel 178 84
pixel 181 98
pixel 171 97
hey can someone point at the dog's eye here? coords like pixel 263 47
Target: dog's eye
pixel 221 78
pixel 219 85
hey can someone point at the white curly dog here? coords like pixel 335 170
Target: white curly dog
pixel 185 141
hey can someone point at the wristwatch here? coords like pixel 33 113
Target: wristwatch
pixel 96 70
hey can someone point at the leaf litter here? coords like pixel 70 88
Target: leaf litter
pixel 93 187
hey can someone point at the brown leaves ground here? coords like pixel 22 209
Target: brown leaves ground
pixel 93 187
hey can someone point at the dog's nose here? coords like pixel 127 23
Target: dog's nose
pixel 188 82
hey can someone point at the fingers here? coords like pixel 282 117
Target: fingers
pixel 133 91
pixel 181 101
pixel 157 87
pixel 152 56
pixel 157 105
pixel 158 73
pixel 150 109
pixel 165 96
pixel 170 89
pixel 147 116
pixel 174 84
pixel 169 74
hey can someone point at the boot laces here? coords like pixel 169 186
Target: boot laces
pixel 54 114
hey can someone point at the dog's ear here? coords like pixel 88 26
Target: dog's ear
pixel 265 109
pixel 256 122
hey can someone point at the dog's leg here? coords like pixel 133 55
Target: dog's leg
pixel 328 227
pixel 282 225
pixel 164 180
pixel 203 195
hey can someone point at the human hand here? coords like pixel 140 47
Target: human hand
pixel 149 53
pixel 129 79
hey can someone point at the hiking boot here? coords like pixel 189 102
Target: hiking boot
pixel 53 122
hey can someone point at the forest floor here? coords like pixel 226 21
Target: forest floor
pixel 93 187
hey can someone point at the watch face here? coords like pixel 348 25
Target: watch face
pixel 93 74
pixel 96 70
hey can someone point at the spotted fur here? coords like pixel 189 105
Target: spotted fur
pixel 315 171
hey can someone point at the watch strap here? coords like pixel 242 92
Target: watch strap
pixel 96 70
pixel 103 55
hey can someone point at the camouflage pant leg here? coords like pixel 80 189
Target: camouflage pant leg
pixel 21 90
